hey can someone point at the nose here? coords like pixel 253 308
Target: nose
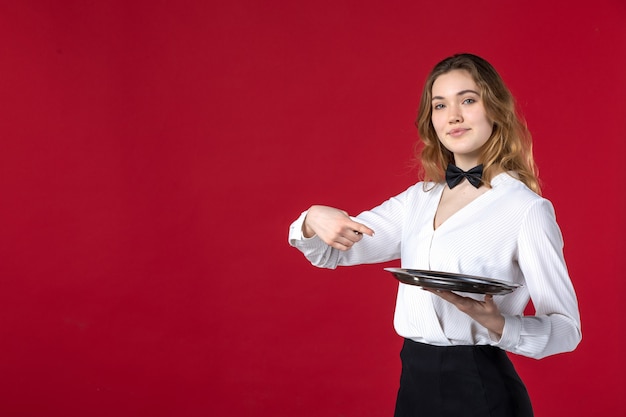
pixel 454 114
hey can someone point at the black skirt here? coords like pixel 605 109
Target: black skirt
pixel 454 381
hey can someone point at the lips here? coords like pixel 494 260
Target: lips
pixel 457 132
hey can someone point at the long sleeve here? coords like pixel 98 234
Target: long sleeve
pixel 555 328
pixel 387 222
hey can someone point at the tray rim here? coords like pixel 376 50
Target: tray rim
pixel 480 285
pixel 452 276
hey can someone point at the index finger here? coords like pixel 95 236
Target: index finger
pixel 360 228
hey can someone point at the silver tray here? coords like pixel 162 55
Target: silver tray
pixel 452 282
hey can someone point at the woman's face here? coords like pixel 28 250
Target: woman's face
pixel 459 117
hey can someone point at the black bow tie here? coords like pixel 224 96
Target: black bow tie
pixel 454 175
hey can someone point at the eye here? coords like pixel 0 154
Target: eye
pixel 469 101
pixel 438 106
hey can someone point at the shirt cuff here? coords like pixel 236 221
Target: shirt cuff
pixel 295 230
pixel 510 334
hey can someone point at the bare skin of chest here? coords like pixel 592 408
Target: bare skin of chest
pixel 453 200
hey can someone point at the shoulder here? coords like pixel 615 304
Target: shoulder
pixel 521 199
pixel 507 184
pixel 414 196
pixel 424 188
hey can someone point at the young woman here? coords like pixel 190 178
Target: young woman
pixel 478 212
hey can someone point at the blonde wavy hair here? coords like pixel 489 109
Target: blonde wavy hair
pixel 510 146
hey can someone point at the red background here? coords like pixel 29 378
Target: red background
pixel 153 154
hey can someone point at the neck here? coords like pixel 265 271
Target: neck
pixel 465 162
pixel 467 166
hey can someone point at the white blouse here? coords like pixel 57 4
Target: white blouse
pixel 507 233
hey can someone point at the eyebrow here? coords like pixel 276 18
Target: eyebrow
pixel 460 93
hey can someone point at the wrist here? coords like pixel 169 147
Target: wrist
pixel 307 232
pixel 496 326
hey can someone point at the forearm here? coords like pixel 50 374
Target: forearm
pixel 539 336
